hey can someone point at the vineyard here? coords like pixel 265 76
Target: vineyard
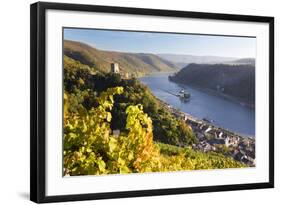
pixel 94 106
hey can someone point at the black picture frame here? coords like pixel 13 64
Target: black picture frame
pixel 38 101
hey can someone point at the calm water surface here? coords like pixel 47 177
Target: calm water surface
pixel 225 113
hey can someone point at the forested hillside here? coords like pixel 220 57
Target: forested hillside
pixel 166 127
pixel 133 63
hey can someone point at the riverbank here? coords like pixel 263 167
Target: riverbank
pixel 217 139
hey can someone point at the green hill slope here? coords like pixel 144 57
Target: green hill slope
pixel 134 63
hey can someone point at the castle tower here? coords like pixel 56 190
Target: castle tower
pixel 114 68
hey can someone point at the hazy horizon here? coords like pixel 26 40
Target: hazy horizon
pixel 165 43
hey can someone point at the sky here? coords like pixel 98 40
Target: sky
pixel 159 43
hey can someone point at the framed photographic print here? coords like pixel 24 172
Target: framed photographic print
pixel 129 102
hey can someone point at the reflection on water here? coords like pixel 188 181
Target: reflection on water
pixel 223 112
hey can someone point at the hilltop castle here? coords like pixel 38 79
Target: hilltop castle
pixel 115 68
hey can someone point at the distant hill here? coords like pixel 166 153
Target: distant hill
pixel 237 81
pixel 134 63
pixel 240 61
pixel 183 60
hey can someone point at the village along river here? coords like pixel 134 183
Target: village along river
pixel 224 113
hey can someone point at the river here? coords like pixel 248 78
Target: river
pixel 223 112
